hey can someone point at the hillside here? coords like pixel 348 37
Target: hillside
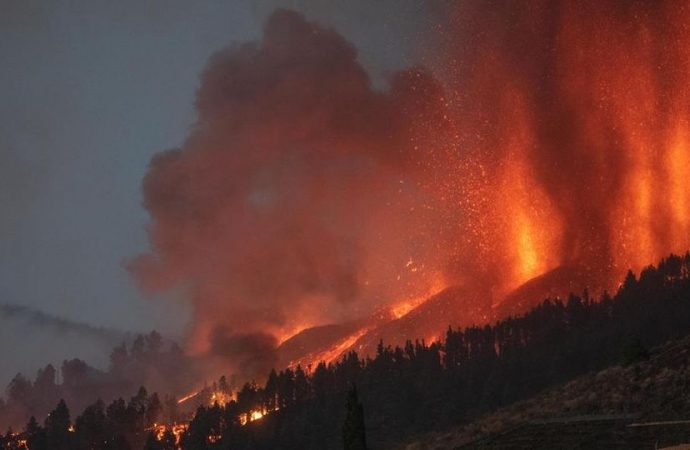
pixel 465 378
pixel 645 402
pixel 458 306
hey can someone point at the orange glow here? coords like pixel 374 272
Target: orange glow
pixel 187 397
pixel 220 397
pixel 677 164
pixel 333 353
pixel 550 135
pixel 581 144
pixel 252 416
pixel 177 430
pixel 402 307
pixel 528 228
pixel 527 253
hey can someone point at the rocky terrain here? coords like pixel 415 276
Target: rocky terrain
pixel 649 394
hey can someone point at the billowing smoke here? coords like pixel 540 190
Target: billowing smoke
pixel 555 141
pixel 298 198
pixel 253 353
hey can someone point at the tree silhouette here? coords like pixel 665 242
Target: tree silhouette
pixel 152 443
pixel 91 428
pixel 57 426
pixel 634 351
pixel 354 436
pixel 415 387
pixel 35 436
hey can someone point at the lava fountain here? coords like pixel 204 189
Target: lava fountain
pixel 548 141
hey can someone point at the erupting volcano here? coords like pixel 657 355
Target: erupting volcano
pixel 544 149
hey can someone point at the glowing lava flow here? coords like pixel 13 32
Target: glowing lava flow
pixel 333 353
pixel 402 307
pixel 552 140
pixel 188 397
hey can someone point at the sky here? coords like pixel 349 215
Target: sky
pixel 91 90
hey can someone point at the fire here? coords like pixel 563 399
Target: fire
pixel 213 396
pixel 677 164
pixel 334 352
pixel 188 397
pixel 400 308
pixel 575 117
pixel 177 430
pixel 221 398
pixel 527 219
pixel 252 416
pixel 551 135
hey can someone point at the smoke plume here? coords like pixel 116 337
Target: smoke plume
pixel 299 196
pixel 552 137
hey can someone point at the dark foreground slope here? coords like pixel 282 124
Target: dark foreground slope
pixel 639 405
pixel 471 373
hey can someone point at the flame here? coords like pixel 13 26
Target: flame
pixel 677 165
pixel 333 353
pixel 221 398
pixel 179 428
pixel 402 307
pixel 576 126
pixel 253 415
pixel 561 138
pixel 176 428
pixel 532 228
pixel 188 397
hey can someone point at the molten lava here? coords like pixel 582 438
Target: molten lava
pixel 581 110
pixel 547 149
pixel 402 307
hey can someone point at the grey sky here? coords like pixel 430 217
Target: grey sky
pixel 90 90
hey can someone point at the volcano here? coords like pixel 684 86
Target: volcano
pixel 455 306
pixel 556 283
pixel 307 198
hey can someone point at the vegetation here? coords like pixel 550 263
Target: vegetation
pixel 354 433
pixel 651 391
pixel 146 361
pixel 420 386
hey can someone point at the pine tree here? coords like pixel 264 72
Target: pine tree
pixel 152 443
pixel 154 409
pixel 35 436
pixel 169 442
pixel 354 435
pixel 57 426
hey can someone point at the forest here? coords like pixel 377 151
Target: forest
pixel 401 391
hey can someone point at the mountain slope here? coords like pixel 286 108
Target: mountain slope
pixel 647 395
pixel 457 306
